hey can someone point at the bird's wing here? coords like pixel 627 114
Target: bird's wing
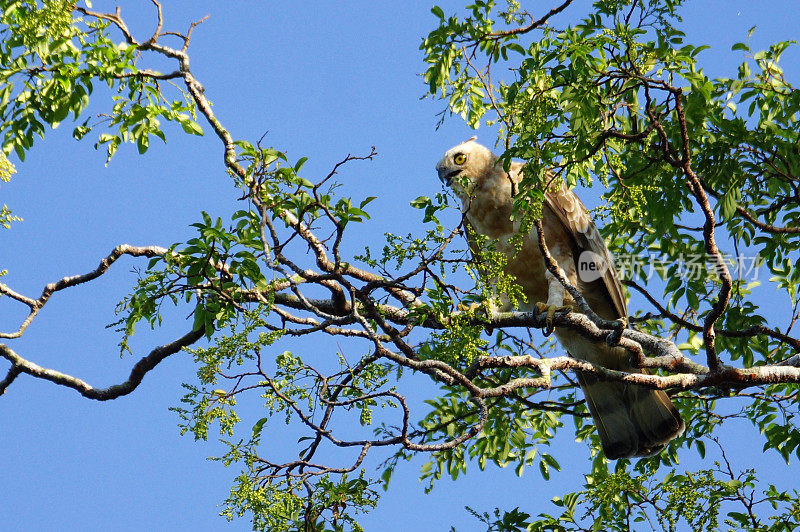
pixel 573 215
pixel 575 218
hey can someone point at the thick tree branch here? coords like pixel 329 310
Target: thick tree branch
pixel 728 377
pixel 717 308
pixel 139 370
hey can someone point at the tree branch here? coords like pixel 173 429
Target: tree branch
pixel 139 370
pixel 36 305
pixel 533 25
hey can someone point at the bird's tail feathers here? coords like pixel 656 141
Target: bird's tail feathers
pixel 656 419
pixel 631 420
pixel 614 426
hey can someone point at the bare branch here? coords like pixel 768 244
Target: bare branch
pixel 765 226
pixel 115 18
pixel 745 377
pixel 159 26
pixel 750 331
pixel 36 305
pixel 709 237
pixel 533 25
pixel 139 370
pixel 12 374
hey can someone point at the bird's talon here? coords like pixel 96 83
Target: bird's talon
pixel 461 307
pixel 551 310
pixel 614 338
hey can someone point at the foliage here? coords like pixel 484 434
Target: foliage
pixel 690 165
pixel 6 171
pixel 51 64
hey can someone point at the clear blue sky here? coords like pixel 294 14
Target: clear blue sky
pixel 324 79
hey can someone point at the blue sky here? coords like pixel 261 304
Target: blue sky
pixel 322 79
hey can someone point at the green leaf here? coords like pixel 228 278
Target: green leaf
pixel 191 127
pixel 259 426
pixel 420 202
pixel 299 164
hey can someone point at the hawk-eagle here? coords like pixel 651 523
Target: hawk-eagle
pixel 631 420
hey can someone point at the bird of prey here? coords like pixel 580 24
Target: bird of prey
pixel 631 420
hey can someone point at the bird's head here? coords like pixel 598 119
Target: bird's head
pixel 462 165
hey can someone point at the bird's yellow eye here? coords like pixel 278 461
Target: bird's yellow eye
pixel 460 158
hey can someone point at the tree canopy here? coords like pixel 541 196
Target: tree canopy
pixel 700 180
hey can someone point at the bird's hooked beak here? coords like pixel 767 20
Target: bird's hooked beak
pixel 446 176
